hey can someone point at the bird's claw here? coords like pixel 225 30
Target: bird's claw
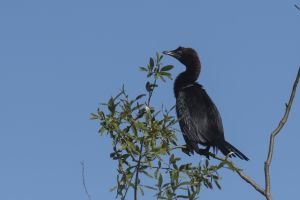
pixel 187 150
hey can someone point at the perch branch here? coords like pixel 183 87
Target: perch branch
pixel 241 174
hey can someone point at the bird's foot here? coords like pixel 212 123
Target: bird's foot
pixel 187 150
pixel 204 152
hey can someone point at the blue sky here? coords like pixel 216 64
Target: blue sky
pixel 60 59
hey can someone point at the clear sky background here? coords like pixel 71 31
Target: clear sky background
pixel 60 59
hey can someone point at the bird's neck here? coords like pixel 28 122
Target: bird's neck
pixel 186 78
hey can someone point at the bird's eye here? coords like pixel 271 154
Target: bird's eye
pixel 179 50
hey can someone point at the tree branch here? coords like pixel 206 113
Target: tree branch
pixel 274 134
pixel 83 181
pixel 265 192
pixel 297 7
pixel 137 173
pixel 136 182
pixel 240 173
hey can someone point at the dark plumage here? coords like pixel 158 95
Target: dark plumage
pixel 199 119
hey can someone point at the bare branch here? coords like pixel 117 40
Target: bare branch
pixel 297 7
pixel 240 172
pixel 83 181
pixel 265 192
pixel 273 135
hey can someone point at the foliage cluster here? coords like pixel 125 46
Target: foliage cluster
pixel 144 143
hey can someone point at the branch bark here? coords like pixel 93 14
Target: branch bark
pixel 267 190
pixel 274 134
pixel 136 182
pixel 137 173
pixel 241 174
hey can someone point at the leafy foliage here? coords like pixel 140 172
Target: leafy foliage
pixel 144 141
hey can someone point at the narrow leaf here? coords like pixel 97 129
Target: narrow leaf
pixel 151 63
pixel 160 180
pixel 143 69
pixel 111 105
pixel 140 96
pixel 167 68
pixel 94 116
pixel 150 187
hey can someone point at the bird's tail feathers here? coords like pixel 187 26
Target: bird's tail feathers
pixel 226 148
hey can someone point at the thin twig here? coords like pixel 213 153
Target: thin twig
pixel 151 92
pixel 124 196
pixel 83 181
pixel 141 148
pixel 137 168
pixel 137 173
pixel 165 168
pixel 297 7
pixel 274 134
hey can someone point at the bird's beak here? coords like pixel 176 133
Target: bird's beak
pixel 170 53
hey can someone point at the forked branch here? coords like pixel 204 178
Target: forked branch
pixel 274 134
pixel 265 191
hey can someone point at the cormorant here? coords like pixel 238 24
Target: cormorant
pixel 199 118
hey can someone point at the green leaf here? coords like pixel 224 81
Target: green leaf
pixel 183 183
pixel 162 78
pixel 167 68
pixel 158 57
pixel 113 188
pixel 94 116
pixel 167 74
pixel 218 184
pixel 151 64
pixel 159 164
pixel 147 174
pixel 172 158
pixel 102 130
pixel 174 175
pixel 131 146
pixel 143 69
pixel 150 187
pixel 160 180
pixel 148 87
pixel 111 105
pixel 182 196
pixel 149 74
pixel 123 146
pixel 140 96
pixel 101 115
pixel 185 167
pixel 159 150
pixel 142 191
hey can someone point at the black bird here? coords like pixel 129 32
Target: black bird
pixel 199 118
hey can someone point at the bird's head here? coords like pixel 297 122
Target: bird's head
pixel 186 56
